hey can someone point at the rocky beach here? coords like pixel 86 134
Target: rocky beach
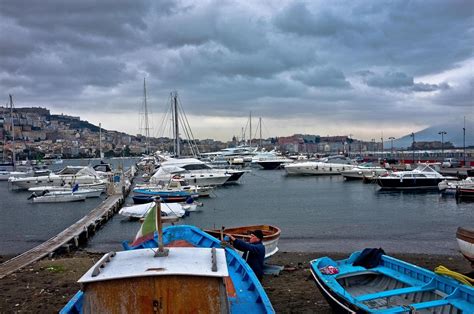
pixel 47 285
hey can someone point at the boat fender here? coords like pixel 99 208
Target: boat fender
pixel 317 167
pixel 330 168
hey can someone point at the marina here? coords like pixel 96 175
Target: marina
pixel 237 157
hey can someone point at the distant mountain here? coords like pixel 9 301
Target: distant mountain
pixel 454 135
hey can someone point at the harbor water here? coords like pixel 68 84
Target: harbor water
pixel 315 213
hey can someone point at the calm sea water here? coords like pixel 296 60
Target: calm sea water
pixel 322 213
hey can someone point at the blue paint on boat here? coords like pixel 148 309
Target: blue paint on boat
pixel 74 305
pixel 161 193
pixel 250 295
pixel 410 279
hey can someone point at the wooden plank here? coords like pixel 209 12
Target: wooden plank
pixel 60 239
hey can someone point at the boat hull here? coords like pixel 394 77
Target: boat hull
pixel 390 286
pixel 407 184
pixel 465 239
pixel 248 295
pixel 316 168
pixel 59 198
pixel 271 235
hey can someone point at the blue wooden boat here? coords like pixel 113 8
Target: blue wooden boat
pixel 238 290
pixel 393 286
pixel 244 290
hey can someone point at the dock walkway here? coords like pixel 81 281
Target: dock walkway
pixel 69 236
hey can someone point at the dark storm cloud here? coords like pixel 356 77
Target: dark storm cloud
pixel 323 77
pixel 279 58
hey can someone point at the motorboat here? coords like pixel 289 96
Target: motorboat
pixel 88 193
pixel 271 163
pixel 69 176
pixel 177 184
pixel 271 235
pixel 450 186
pixel 194 172
pixel 465 239
pixel 40 189
pixel 392 286
pixel 56 198
pixel 423 177
pixel 363 170
pixel 333 165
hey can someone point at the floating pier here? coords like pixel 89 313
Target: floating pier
pixel 72 236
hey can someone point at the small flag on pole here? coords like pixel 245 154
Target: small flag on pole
pixel 147 229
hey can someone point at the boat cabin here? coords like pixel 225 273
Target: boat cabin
pixel 188 280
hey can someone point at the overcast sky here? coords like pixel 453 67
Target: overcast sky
pixel 317 67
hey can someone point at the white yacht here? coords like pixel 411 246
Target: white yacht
pixel 198 173
pixel 363 170
pixel 69 176
pixel 332 165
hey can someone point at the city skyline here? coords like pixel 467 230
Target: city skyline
pixel 305 67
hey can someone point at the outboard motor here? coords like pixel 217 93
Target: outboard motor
pixel 32 196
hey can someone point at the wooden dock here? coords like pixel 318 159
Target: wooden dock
pixel 70 237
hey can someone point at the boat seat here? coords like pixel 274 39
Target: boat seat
pixel 391 293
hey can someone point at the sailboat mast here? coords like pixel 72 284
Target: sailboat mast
pixel 250 135
pixel 176 124
pixel 147 127
pixel 100 140
pixel 13 131
pixel 260 127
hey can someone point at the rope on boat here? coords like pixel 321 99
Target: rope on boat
pixel 441 270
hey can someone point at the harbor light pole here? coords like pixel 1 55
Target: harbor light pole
pixel 442 142
pixel 413 146
pixel 464 142
pixel 391 138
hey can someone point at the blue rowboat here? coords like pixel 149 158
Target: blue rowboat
pixel 393 286
pixel 244 291
pixel 197 276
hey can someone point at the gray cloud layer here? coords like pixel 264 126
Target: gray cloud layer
pixel 294 59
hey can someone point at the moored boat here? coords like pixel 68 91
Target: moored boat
pixel 465 239
pixel 53 198
pixel 271 235
pixel 392 286
pixel 423 177
pixel 362 171
pixel 465 192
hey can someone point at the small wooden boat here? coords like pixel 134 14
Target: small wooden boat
pixel 271 235
pixel 393 286
pixel 243 290
pixel 465 238
pixel 465 192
